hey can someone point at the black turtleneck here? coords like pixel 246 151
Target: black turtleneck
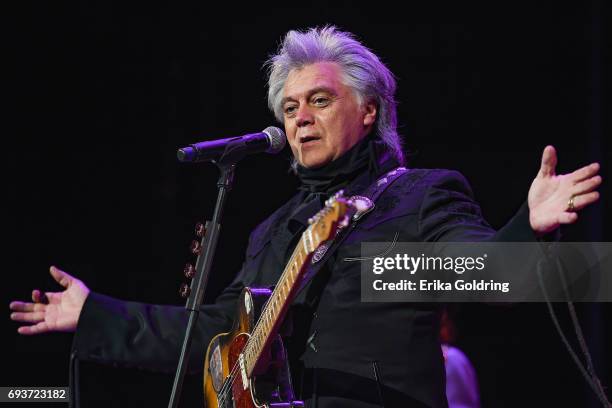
pixel 358 167
pixel 338 173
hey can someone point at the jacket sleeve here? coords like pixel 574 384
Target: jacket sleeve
pixel 146 336
pixel 449 213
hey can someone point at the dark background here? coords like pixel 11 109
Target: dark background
pixel 102 94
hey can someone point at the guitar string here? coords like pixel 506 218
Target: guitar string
pixel 229 383
pixel 231 377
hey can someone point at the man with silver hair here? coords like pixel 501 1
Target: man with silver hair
pixel 360 70
pixel 336 101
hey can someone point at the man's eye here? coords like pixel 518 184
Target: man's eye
pixel 320 101
pixel 290 110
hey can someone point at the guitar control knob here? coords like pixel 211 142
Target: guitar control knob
pixel 185 290
pixel 195 247
pixel 200 229
pixel 189 271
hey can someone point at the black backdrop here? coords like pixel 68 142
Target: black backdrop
pixel 102 94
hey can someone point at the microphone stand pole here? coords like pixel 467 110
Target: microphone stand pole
pixel 202 269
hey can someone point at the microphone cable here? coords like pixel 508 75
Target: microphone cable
pixel 588 373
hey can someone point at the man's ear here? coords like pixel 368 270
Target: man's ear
pixel 371 110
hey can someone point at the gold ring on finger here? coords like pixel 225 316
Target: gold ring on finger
pixel 570 204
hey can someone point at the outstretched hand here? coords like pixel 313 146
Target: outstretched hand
pixel 52 311
pixel 555 199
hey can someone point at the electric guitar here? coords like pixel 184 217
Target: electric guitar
pixel 247 367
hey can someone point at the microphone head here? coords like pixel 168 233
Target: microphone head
pixel 277 139
pixel 186 154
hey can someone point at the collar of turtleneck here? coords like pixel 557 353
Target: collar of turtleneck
pixel 361 165
pixel 340 172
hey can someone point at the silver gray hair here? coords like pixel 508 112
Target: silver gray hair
pixel 363 72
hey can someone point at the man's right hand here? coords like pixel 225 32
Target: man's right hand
pixel 52 311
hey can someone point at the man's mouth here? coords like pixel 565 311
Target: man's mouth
pixel 308 139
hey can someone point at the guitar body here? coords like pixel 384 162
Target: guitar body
pixel 270 383
pixel 248 367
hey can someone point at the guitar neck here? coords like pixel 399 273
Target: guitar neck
pixel 281 298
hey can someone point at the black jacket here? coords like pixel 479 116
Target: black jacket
pixel 379 353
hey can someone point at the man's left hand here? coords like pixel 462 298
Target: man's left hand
pixel 555 199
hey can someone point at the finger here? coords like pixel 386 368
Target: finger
pixel 60 276
pixel 567 218
pixel 26 307
pixel 549 161
pixel 39 297
pixel 34 329
pixel 584 172
pixel 583 200
pixel 587 185
pixel 30 317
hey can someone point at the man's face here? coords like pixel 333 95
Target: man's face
pixel 323 118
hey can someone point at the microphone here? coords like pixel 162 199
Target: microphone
pixel 270 140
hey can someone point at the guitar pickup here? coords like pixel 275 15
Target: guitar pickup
pixel 243 373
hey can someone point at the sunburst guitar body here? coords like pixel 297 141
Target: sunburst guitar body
pixel 268 387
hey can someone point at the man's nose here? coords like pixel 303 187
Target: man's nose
pixel 304 116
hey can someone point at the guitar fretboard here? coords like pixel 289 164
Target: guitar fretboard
pixel 281 297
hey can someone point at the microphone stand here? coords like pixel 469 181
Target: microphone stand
pixel 226 164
